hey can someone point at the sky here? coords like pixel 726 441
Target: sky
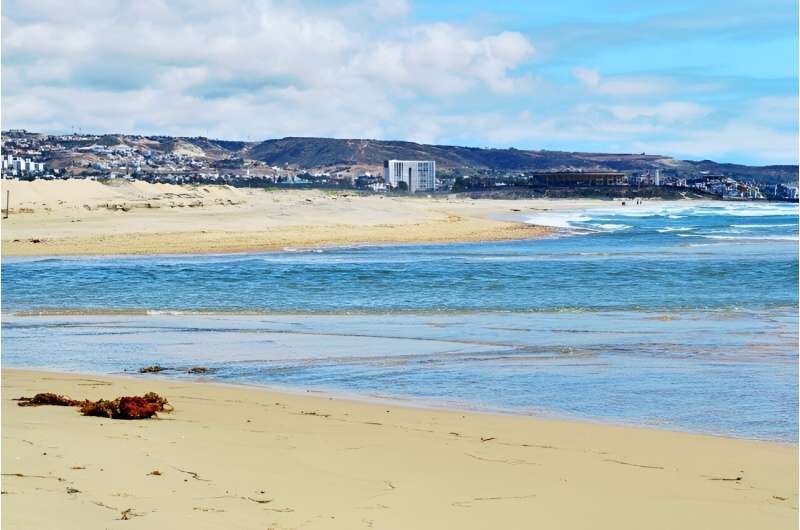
pixel 714 79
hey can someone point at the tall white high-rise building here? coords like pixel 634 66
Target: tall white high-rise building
pixel 418 175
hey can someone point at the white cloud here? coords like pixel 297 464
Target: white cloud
pixel 276 68
pixel 775 111
pixel 258 69
pixel 765 129
pixel 731 141
pixel 587 76
pixel 620 85
pixel 668 111
pixel 445 59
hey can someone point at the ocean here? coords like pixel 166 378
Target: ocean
pixel 677 317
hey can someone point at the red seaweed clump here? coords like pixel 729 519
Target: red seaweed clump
pixel 127 407
pixel 136 408
pixel 122 408
pixel 101 407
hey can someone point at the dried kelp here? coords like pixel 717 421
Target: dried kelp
pixel 48 398
pixel 122 408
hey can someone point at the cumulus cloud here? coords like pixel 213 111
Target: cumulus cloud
pixel 254 69
pixel 234 67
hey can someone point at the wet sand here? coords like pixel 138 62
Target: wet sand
pixel 235 457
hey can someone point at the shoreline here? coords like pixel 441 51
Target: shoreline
pixel 329 462
pixel 145 312
pixel 395 401
pixel 87 218
pixel 224 243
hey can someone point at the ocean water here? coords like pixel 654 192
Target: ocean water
pixel 678 317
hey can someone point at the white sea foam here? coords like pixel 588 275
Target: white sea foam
pixel 675 229
pixel 558 220
pixel 574 222
pixel 754 210
pixel 592 220
pixel 611 227
pixel 304 250
pixel 729 209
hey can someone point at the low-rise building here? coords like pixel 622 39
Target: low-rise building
pixel 577 178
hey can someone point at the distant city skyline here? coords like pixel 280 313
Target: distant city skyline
pixel 692 80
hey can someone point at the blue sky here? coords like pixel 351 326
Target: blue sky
pixel 693 80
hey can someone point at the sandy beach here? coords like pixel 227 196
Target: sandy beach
pixel 83 217
pixel 236 457
pixel 86 217
pixel 240 457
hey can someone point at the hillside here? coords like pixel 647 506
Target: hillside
pixel 322 152
pixel 326 153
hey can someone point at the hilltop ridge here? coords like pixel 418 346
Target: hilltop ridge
pixel 313 153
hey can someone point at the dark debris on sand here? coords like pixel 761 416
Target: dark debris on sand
pixel 122 408
pixel 48 398
pixel 154 369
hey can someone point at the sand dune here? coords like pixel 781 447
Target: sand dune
pixel 232 457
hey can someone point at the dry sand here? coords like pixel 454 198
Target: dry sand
pixel 234 457
pixel 86 217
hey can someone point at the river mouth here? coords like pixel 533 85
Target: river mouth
pixel 678 317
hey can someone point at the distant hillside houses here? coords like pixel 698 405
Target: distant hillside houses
pixel 382 166
pixel 726 187
pixel 18 166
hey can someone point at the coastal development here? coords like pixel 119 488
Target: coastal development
pixel 411 175
pixel 376 166
pixel 362 294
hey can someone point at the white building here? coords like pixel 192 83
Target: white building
pixel 21 165
pixel 418 175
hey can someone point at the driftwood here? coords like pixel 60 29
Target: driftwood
pixel 122 408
